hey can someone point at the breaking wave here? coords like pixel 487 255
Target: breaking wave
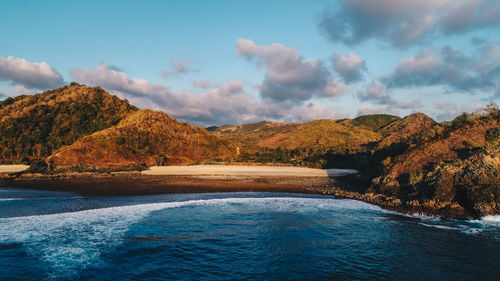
pixel 69 242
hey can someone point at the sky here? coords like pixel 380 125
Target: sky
pixel 235 62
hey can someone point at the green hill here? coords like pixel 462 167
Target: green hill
pixel 375 121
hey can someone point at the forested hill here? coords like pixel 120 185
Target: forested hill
pixel 34 126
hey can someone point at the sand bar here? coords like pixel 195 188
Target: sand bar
pixel 258 171
pixel 13 168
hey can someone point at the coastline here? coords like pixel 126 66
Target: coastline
pixel 184 179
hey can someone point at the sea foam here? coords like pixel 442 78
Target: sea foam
pixel 72 241
pixel 491 218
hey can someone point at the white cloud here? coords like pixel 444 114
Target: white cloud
pixel 111 78
pixel 225 103
pixel 381 109
pixel 33 75
pixel 289 76
pixel 451 68
pixel 178 67
pixel 203 84
pixel 351 67
pixel 378 94
pixel 402 23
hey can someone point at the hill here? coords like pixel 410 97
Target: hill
pixel 315 134
pixel 449 165
pixel 320 143
pixel 34 126
pixel 144 137
pixel 375 121
pixel 401 129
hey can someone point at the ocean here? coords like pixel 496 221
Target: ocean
pixel 234 236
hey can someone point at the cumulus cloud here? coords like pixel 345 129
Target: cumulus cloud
pixel 110 77
pixel 311 111
pixel 446 111
pixel 378 94
pixel 379 109
pixel 289 76
pixel 178 67
pixel 202 84
pixel 451 68
pixel 351 67
pixel 402 23
pixel 33 75
pixel 224 103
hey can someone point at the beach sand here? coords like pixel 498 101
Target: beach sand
pixel 182 179
pixel 13 168
pixel 245 171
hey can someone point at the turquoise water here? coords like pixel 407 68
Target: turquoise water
pixel 234 236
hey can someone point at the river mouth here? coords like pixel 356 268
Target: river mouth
pixel 220 236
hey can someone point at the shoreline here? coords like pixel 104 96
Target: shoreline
pixel 141 183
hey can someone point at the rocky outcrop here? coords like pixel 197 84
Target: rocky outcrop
pixel 457 168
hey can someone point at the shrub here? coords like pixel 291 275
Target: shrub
pixel 492 135
pixel 462 119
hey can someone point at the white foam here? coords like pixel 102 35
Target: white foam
pixel 491 218
pixel 471 230
pixel 72 241
pixel 10 199
pixel 420 216
pixel 440 226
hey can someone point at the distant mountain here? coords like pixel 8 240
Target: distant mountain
pixel 318 143
pixel 314 134
pixel 33 126
pixel 375 121
pixel 144 137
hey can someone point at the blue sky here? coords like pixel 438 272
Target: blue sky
pixel 218 62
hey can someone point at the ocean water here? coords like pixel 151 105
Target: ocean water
pixel 234 236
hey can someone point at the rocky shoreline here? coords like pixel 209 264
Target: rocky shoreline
pixel 136 183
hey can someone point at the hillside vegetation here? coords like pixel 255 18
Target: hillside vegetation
pixel 34 126
pixel 144 137
pixel 321 143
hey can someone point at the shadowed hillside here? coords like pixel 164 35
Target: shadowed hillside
pixel 452 165
pixel 145 137
pixel 34 126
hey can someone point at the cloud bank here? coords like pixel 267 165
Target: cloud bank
pixel 225 103
pixel 403 23
pixel 32 75
pixel 450 68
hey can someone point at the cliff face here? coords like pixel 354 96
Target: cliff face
pixel 447 166
pixel 145 137
pixel 32 127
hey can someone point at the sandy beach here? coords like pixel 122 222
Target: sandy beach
pixel 12 168
pixel 245 171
